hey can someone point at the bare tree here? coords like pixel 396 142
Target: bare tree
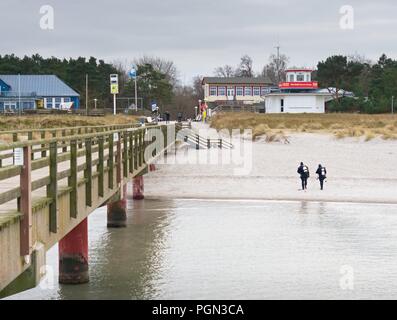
pixel 198 90
pixel 164 66
pixel 245 68
pixel 275 69
pixel 226 71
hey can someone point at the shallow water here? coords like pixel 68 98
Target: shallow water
pixel 234 249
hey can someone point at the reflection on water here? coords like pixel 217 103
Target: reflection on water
pixel 221 249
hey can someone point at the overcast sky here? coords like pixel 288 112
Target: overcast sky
pixel 199 35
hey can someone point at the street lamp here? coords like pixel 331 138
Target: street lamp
pixel 95 101
pixel 195 112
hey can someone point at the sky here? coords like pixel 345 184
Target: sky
pixel 199 35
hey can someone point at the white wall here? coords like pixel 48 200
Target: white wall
pixel 295 104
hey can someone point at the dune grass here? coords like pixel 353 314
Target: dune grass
pixel 57 121
pixel 275 127
pixel 60 121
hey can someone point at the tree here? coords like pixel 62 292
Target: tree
pixel 245 68
pixel 166 67
pixel 337 73
pixel 152 85
pixel 226 71
pixel 275 69
pixel 198 90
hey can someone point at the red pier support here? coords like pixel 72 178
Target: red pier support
pixel 117 214
pixel 73 256
pixel 138 188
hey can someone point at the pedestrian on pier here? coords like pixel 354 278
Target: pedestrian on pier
pixel 304 173
pixel 322 175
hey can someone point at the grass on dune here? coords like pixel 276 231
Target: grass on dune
pixel 8 123
pixel 274 127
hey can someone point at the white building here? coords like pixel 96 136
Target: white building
pixel 299 94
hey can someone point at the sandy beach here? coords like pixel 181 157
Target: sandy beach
pixel 358 171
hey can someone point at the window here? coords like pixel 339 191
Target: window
pixel 221 91
pixel 66 99
pixel 213 91
pixel 291 78
pixel 248 91
pixel 239 91
pixel 308 77
pixel 257 91
pixel 265 91
pixel 300 78
pixel 49 103
pixel 58 102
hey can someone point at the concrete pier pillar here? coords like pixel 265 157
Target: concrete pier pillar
pixel 117 214
pixel 73 255
pixel 138 188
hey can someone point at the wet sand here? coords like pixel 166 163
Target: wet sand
pixel 358 171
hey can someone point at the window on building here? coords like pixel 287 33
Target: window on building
pixel 257 91
pixel 239 91
pixel 213 91
pixel 308 77
pixel 300 77
pixel 66 99
pixel 58 102
pixel 221 91
pixel 49 103
pixel 291 78
pixel 264 91
pixel 248 91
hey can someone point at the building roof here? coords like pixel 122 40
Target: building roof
pixel 299 70
pixel 41 85
pixel 236 80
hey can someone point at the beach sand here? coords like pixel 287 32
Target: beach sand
pixel 358 171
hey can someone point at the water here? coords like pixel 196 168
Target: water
pixel 212 249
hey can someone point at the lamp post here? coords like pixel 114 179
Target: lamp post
pixel 95 101
pixel 195 112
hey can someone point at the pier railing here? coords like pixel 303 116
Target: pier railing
pixel 74 158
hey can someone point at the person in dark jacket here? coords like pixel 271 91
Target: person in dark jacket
pixel 322 175
pixel 304 173
pixel 167 117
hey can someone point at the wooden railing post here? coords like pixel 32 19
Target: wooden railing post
pixel 64 149
pixel 118 159
pixel 30 137
pixel 88 172
pixel 136 160
pixel 43 151
pixel 26 203
pixel 220 143
pixel 131 151
pixel 81 141
pixel 72 181
pixel 52 188
pixel 110 162
pixel 197 142
pixel 125 155
pixel 100 166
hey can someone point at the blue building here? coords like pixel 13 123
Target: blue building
pixel 35 91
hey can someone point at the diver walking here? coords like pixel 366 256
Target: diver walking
pixel 303 170
pixel 322 175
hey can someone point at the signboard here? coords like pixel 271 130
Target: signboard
pixel 132 73
pixel 114 83
pixel 299 85
pixel 18 157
